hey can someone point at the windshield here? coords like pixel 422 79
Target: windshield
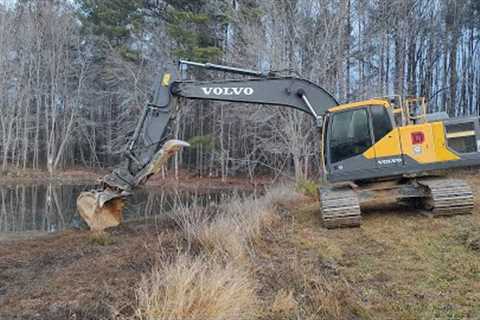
pixel 350 134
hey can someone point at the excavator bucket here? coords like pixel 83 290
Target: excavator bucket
pixel 102 209
pixel 98 214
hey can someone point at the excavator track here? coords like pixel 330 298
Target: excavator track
pixel 339 208
pixel 447 197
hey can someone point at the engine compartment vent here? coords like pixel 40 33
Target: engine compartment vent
pixel 462 136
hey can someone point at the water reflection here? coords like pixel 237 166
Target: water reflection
pixel 52 207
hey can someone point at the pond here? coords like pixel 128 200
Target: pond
pixel 51 207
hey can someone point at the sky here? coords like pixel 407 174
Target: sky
pixel 7 3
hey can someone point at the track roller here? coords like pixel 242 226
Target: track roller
pixel 339 208
pixel 447 197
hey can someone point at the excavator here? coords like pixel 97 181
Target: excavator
pixel 382 148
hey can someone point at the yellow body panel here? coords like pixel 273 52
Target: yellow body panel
pixel 399 142
pixel 387 146
pixel 442 151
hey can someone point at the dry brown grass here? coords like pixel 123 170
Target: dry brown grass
pixel 284 265
pixel 284 304
pixel 235 227
pixel 224 237
pixel 330 298
pixel 196 289
pixel 217 282
pixel 222 265
pixel 399 264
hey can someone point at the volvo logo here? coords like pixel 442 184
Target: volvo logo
pixel 389 161
pixel 227 91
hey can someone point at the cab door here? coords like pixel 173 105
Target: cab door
pixel 349 135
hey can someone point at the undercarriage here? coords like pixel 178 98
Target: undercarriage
pixel 431 196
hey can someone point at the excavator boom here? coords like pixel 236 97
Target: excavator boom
pixel 149 149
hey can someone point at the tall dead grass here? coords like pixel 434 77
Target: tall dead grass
pixel 236 226
pixel 218 283
pixel 197 288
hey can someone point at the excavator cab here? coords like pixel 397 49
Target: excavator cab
pixel 391 137
pixel 351 134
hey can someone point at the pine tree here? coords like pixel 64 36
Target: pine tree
pixel 196 28
pixel 117 21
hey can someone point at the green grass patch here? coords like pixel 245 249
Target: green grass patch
pixel 308 187
pixel 101 239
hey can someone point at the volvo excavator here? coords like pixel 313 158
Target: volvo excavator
pixel 382 148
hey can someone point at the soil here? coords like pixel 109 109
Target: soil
pixel 77 275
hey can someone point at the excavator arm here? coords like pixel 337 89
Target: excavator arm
pixel 149 148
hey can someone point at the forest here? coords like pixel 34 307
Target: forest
pixel 75 74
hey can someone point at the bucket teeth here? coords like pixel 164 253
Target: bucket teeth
pixel 339 208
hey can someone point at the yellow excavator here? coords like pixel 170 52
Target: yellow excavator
pixel 388 147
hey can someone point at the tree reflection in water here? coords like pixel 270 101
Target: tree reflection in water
pixel 52 207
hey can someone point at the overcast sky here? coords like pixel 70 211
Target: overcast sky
pixel 7 2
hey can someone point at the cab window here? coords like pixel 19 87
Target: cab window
pixel 350 134
pixel 381 122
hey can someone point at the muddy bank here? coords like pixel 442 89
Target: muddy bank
pixel 75 275
pixel 186 180
pixel 80 176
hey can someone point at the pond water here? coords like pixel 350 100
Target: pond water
pixel 52 207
